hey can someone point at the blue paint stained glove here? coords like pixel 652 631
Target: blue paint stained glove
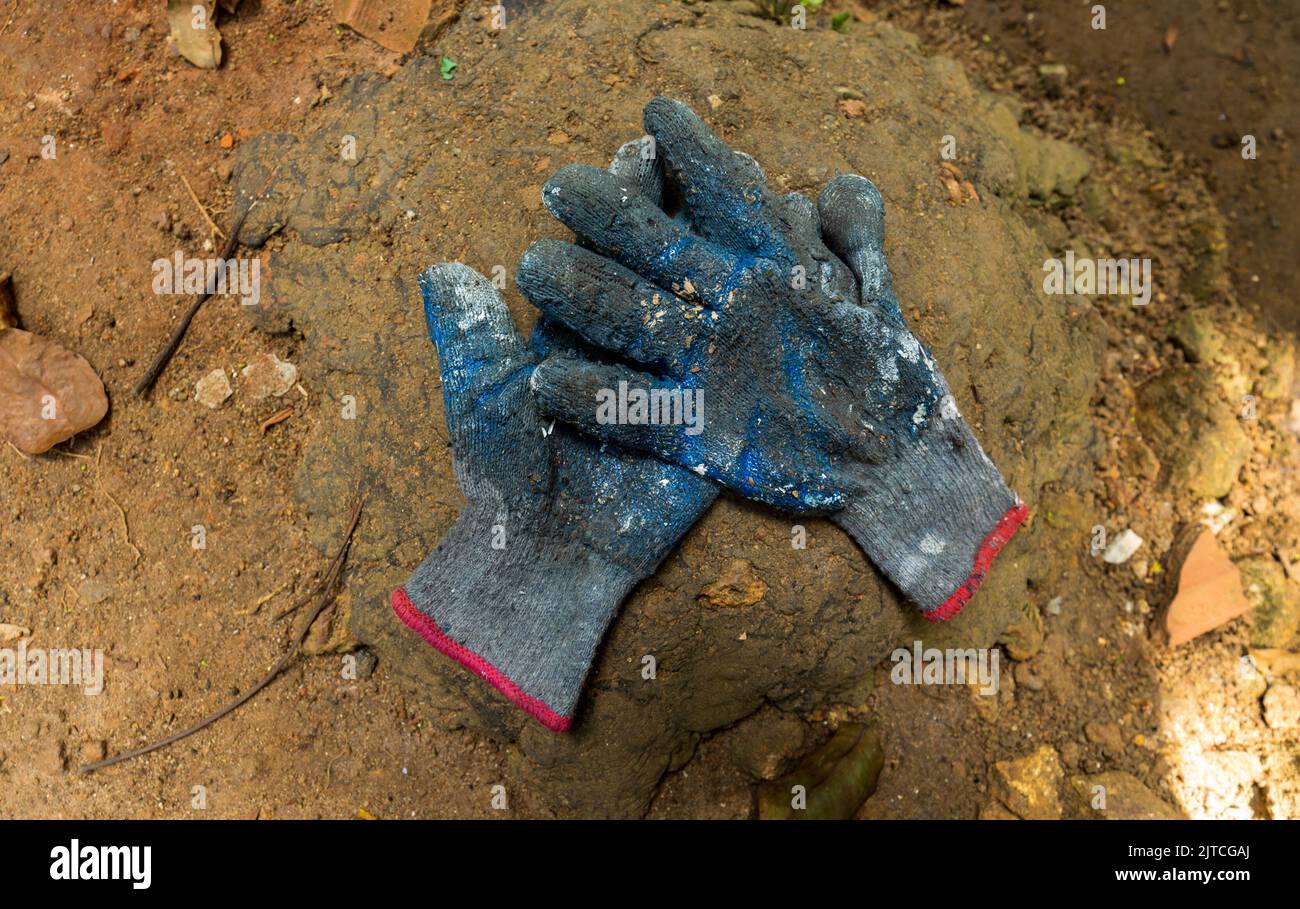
pixel 558 527
pixel 816 396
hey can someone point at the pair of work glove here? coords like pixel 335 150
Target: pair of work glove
pixel 777 314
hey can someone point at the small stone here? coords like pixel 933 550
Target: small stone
pixel 1282 707
pixel 1029 786
pixel 92 592
pixel 1107 735
pixel 1273 661
pixel 213 389
pixel 851 108
pixel 1027 678
pixel 735 587
pixel 1117 796
pixel 1023 637
pixel 763 744
pixel 47 393
pixel 1278 377
pixel 715 102
pixel 366 663
pixel 1275 598
pixel 115 134
pixel 1216 516
pixel 131 34
pixel 1196 334
pixel 1184 418
pixel 1125 543
pixel 1071 754
pixel 993 811
pixel 269 376
pixel 94 750
pixel 50 756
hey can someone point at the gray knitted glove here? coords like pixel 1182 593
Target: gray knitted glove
pixel 558 527
pixel 816 396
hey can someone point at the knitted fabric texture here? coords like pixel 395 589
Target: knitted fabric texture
pixel 558 528
pixel 780 314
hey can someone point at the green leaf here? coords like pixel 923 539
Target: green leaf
pixel 447 67
pixel 840 21
pixel 833 781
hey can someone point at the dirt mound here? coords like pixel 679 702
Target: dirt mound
pixel 451 170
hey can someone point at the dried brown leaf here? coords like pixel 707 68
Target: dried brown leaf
pixel 47 393
pixel 194 31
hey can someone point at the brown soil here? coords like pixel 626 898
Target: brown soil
pixel 182 628
pixel 1229 73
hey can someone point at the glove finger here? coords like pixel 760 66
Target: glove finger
pixel 725 191
pixel 853 226
pixel 587 395
pixel 801 214
pixel 478 347
pixel 802 221
pixel 610 215
pixel 610 306
pixel 637 163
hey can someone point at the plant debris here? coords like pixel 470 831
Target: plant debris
pixel 194 32
pixel 47 393
pixel 325 593
pixel 278 417
pixel 832 783
pixel 8 303
pixel 1209 590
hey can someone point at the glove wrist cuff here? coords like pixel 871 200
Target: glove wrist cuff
pixel 523 611
pixel 936 522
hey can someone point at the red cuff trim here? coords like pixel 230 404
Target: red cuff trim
pixel 428 629
pixel 1002 532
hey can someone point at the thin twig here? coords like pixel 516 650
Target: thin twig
pixel 126 526
pixel 202 209
pixel 329 588
pixel 278 417
pixel 22 454
pixel 266 598
pixel 173 344
pixel 336 564
pixel 146 381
